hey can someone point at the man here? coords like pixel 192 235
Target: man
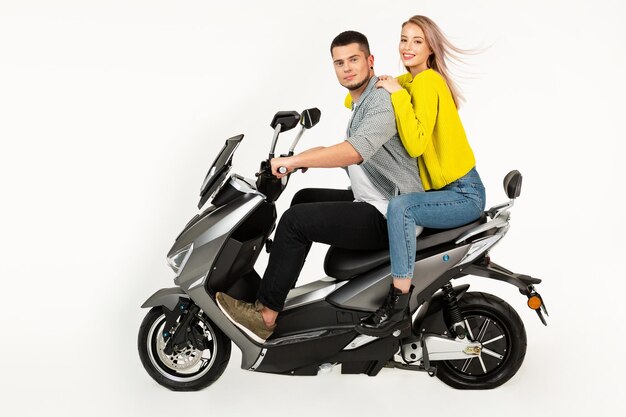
pixel 379 168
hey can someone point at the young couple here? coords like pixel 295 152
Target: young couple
pixel 410 166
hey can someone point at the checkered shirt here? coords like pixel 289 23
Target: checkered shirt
pixel 372 132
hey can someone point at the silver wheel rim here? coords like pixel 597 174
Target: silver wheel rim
pixel 500 355
pixel 190 360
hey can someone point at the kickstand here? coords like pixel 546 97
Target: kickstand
pixel 432 371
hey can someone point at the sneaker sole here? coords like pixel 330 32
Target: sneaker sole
pixel 243 328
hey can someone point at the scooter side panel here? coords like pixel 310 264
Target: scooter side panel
pixel 311 292
pixel 217 222
pixel 429 269
pixel 306 354
pixel 208 237
pixel 364 293
pixel 167 297
pixel 314 317
pixel 367 292
pixel 304 357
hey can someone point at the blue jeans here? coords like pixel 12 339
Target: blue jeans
pixel 458 203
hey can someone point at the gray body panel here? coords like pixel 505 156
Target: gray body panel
pixel 167 297
pixel 368 291
pixel 365 292
pixel 428 270
pixel 208 237
pixel 311 292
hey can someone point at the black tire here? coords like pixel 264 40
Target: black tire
pixel 187 370
pixel 498 319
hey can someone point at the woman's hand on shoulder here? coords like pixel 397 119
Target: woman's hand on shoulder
pixel 388 83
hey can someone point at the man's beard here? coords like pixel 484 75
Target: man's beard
pixel 358 85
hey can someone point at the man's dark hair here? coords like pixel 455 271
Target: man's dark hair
pixel 351 36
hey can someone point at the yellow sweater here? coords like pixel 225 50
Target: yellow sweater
pixel 430 128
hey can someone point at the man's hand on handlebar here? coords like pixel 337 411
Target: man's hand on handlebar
pixel 284 162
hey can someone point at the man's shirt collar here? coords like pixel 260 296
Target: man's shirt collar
pixel 370 86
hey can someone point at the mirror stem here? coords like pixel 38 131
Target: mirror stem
pixel 276 133
pixel 295 141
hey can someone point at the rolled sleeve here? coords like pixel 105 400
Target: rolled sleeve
pixel 378 125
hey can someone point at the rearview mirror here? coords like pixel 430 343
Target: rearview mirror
pixel 310 117
pixel 286 119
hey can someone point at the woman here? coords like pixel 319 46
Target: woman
pixel 425 102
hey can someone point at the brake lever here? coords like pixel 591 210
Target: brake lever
pixel 264 169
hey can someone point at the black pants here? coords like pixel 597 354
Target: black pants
pixel 317 215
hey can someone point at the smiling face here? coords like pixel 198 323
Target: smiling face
pixel 414 50
pixel 352 67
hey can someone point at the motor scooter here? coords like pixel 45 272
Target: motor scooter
pixel 469 340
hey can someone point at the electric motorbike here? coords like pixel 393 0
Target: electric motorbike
pixel 469 340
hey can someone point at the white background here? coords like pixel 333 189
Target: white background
pixel 111 112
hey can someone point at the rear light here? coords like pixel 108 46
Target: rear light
pixel 534 302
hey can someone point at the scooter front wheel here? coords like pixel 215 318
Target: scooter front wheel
pixel 497 326
pixel 184 369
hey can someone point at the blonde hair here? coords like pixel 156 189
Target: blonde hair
pixel 443 52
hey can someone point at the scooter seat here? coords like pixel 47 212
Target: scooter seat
pixel 344 264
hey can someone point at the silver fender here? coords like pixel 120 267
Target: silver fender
pixel 167 297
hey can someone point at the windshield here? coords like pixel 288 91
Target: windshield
pixel 220 167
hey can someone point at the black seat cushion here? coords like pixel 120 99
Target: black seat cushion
pixel 343 264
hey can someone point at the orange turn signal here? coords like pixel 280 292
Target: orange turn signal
pixel 534 302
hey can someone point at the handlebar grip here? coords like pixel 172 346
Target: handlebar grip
pixel 282 170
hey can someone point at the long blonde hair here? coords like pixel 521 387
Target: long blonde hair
pixel 443 51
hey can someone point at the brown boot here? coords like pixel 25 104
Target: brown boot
pixel 246 316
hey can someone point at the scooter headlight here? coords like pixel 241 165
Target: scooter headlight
pixel 179 259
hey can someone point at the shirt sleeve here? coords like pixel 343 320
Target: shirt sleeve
pixel 416 115
pixel 376 128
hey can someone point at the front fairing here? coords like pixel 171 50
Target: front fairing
pixel 208 235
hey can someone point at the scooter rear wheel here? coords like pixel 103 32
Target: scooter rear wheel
pixel 188 369
pixel 494 323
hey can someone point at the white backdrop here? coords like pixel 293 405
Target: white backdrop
pixel 111 111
